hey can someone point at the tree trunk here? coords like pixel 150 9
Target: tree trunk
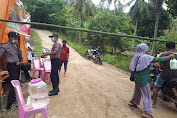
pixel 153 51
pixel 112 51
pixel 115 49
pixel 136 25
pixel 79 32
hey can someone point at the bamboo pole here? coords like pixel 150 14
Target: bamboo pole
pixel 85 30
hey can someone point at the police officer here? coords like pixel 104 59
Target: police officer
pixel 55 62
pixel 13 54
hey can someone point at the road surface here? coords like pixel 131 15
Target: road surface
pixel 90 90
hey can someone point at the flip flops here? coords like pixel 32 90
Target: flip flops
pixel 145 115
pixel 132 104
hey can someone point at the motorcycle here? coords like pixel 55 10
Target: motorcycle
pixel 95 55
pixel 168 92
pixel 46 50
pixel 33 53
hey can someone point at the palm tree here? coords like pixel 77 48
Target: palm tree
pixel 158 6
pixel 137 13
pixel 83 9
pixel 110 2
pixel 68 2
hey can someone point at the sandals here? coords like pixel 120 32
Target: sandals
pixel 145 115
pixel 132 104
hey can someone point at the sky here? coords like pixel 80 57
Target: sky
pixel 96 2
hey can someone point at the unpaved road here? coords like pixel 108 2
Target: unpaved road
pixel 89 90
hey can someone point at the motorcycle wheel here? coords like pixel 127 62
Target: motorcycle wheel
pixel 94 60
pixel 100 62
pixel 87 56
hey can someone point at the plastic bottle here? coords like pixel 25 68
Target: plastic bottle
pixel 173 64
pixel 38 93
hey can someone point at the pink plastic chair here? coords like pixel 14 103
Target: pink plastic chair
pixel 47 68
pixel 37 66
pixel 22 109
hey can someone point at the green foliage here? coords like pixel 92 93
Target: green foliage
pixel 147 26
pixel 37 43
pixel 46 11
pixel 83 9
pixel 108 22
pixel 138 10
pixel 172 7
pixel 120 61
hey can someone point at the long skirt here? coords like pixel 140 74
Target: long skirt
pixel 145 94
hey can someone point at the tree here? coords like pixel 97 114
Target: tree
pixel 45 11
pixel 109 22
pixel 146 27
pixel 109 2
pixel 158 6
pixel 83 9
pixel 137 12
pixel 172 7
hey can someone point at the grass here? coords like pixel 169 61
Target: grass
pixel 37 43
pixel 79 47
pixel 121 61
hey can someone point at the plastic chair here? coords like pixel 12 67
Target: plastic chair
pixel 24 112
pixel 37 67
pixel 47 68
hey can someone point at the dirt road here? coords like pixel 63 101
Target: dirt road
pixel 89 90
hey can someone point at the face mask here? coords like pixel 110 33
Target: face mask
pixel 13 41
pixel 53 39
pixel 64 45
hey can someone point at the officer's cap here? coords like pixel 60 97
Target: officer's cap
pixel 54 35
pixel 13 34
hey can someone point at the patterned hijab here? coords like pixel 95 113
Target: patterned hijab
pixel 141 60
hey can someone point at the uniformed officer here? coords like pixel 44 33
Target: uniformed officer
pixel 13 54
pixel 55 62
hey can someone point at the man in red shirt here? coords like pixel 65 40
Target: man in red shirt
pixel 64 56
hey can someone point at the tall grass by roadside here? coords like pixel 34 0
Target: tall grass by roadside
pixel 121 61
pixel 37 43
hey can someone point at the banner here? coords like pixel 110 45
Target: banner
pixel 18 13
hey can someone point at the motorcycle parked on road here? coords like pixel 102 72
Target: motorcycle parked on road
pixel 168 92
pixel 95 55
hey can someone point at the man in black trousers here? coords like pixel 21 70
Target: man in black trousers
pixel 13 54
pixel 55 62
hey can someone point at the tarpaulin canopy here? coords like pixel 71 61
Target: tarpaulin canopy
pixel 14 10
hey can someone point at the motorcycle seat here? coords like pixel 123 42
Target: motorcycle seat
pixel 171 81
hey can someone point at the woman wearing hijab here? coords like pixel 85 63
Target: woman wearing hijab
pixel 141 64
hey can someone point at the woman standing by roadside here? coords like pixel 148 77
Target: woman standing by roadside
pixel 141 64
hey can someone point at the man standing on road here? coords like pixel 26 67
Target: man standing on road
pixel 64 56
pixel 13 54
pixel 55 62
